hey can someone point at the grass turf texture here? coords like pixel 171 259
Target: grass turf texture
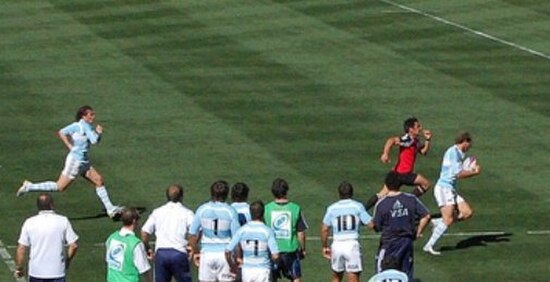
pixel 195 91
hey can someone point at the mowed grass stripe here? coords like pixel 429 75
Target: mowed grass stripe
pixel 227 79
pixel 149 117
pixel 480 64
pixel 492 66
pixel 143 88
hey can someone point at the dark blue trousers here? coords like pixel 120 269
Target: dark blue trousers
pixel 401 249
pixel 171 263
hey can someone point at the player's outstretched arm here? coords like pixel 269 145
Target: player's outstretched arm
pixel 392 141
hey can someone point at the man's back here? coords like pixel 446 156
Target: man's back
pixel 47 234
pixel 282 218
pixel 346 217
pixel 395 216
pixel 258 243
pixel 170 224
pixel 218 222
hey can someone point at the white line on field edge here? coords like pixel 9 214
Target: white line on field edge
pixel 9 261
pixel 479 33
pixel 3 248
pixel 538 232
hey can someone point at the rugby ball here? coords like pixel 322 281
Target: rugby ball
pixel 469 163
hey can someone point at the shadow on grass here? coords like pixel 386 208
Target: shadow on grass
pixel 141 210
pixel 478 241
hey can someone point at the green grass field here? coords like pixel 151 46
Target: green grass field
pixel 196 91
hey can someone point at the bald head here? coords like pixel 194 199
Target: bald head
pixel 174 193
pixel 44 202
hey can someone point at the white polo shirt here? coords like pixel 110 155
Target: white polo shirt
pixel 47 234
pixel 170 224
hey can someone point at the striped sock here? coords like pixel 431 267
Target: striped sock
pixel 104 197
pixel 437 232
pixel 48 186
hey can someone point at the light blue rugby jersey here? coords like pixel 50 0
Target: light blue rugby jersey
pixel 390 275
pixel 82 135
pixel 451 166
pixel 243 210
pixel 257 242
pixel 218 222
pixel 346 217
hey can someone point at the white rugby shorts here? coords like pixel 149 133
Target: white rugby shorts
pixel 346 256
pixel 253 274
pixel 74 167
pixel 446 196
pixel 214 267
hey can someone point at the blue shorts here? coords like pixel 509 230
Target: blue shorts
pixel 288 266
pixel 171 263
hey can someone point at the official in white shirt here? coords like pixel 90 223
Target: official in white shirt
pixel 46 234
pixel 170 224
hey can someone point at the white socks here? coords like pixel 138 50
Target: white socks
pixel 48 186
pixel 104 197
pixel 438 231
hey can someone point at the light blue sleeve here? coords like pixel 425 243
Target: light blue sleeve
pixel 364 215
pixel 69 129
pixel 91 134
pixel 195 226
pixel 328 217
pixel 272 243
pixel 234 241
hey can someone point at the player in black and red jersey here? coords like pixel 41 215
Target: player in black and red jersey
pixel 409 147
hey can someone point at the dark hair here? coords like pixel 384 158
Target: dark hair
pixel 239 192
pixel 345 190
pixel 279 188
pixel 409 123
pixel 174 193
pixel 44 202
pixel 128 216
pixel 463 136
pixel 390 262
pixel 257 210
pixel 392 181
pixel 82 111
pixel 219 190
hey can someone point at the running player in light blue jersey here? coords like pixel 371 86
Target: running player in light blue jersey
pixel 345 217
pixel 77 137
pixel 452 206
pixel 258 247
pixel 215 223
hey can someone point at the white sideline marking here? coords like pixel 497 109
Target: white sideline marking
pixel 459 234
pixel 482 34
pixel 9 261
pixel 538 232
pixel 363 237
